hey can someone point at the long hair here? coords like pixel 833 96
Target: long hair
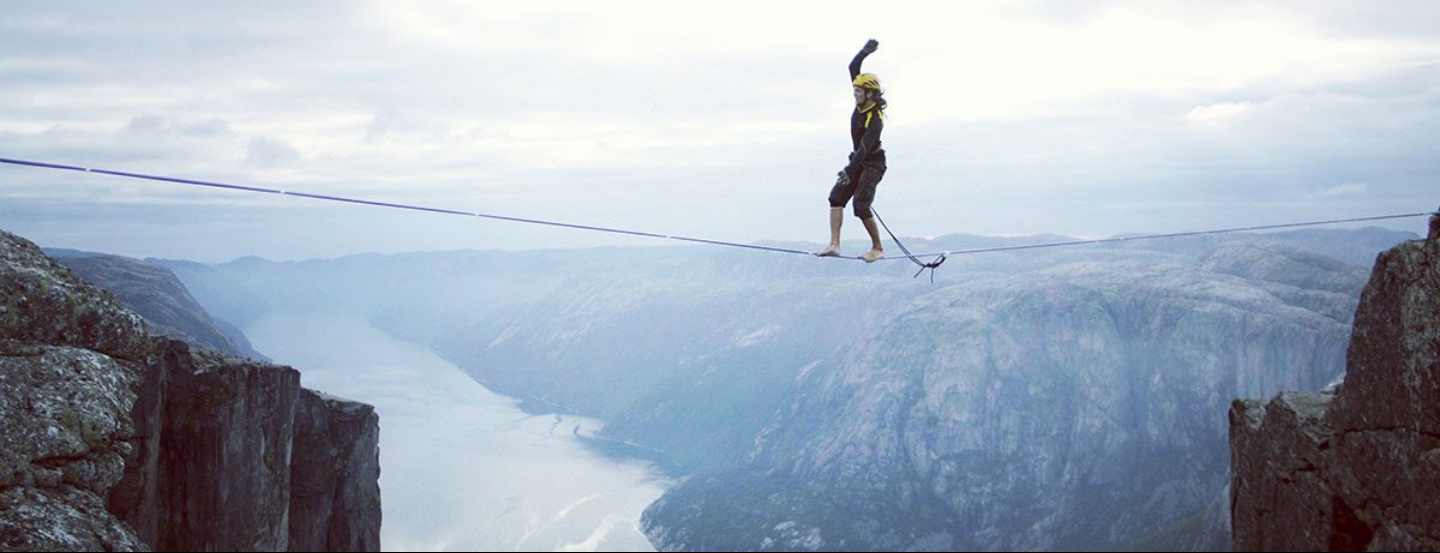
pixel 877 96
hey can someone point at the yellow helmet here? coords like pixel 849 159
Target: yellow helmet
pixel 868 81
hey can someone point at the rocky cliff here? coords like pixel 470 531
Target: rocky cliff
pixel 1356 467
pixel 159 298
pixel 114 440
pixel 334 502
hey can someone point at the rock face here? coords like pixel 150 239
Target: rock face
pixel 65 411
pixel 335 475
pixel 1357 468
pixel 225 455
pixel 157 295
pixel 44 303
pixel 117 441
pixel 70 362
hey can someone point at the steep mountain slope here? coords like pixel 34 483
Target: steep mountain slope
pixel 158 296
pixel 230 303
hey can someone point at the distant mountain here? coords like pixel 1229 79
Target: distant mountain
pixel 1077 407
pixel 1356 247
pixel 222 297
pixel 158 296
pixel 1066 398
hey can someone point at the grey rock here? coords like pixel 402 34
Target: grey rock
pixel 335 474
pixel 66 412
pixel 70 359
pixel 1359 470
pixel 42 302
pixel 136 499
pixel 237 456
pixel 225 461
pixel 60 519
pixel 1286 432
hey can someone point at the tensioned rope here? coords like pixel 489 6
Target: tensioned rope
pixel 940 257
pixel 192 182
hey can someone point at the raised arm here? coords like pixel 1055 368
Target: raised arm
pixel 869 48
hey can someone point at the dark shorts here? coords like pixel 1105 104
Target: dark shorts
pixel 861 187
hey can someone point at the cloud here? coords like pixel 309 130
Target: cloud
pixel 212 128
pixel 1002 118
pixel 152 124
pixel 1217 112
pixel 1347 190
pixel 264 151
pixel 146 124
pixel 1335 18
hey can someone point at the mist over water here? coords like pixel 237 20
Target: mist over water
pixel 462 468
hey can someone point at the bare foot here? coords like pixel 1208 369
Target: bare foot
pixel 873 256
pixel 829 251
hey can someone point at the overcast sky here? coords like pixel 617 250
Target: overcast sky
pixel 724 120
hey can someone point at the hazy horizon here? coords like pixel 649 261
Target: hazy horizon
pixel 850 245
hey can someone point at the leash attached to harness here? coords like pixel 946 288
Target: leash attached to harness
pixel 932 265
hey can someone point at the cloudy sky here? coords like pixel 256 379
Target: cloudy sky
pixel 724 120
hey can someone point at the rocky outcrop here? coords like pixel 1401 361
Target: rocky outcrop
pixel 65 413
pixel 1359 467
pixel 117 441
pixel 157 295
pixel 335 474
pixel 225 455
pixel 44 303
pixel 70 362
pixel 226 460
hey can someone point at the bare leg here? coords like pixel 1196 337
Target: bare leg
pixel 877 251
pixel 837 216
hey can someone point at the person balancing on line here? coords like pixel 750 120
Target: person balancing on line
pixel 867 161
